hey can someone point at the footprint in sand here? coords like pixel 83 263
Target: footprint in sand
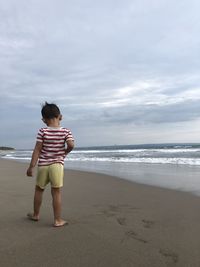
pixel 116 211
pixel 133 235
pixel 147 223
pixel 121 221
pixel 169 255
pixel 110 211
pixel 117 208
pixel 114 208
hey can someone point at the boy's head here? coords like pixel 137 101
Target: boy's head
pixel 50 111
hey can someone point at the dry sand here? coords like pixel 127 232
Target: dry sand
pixel 112 223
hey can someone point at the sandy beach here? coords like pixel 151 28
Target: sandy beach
pixel 112 223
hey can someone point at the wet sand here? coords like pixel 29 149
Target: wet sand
pixel 112 223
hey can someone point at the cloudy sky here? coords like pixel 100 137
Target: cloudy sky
pixel 122 72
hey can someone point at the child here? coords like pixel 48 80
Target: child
pixel 50 152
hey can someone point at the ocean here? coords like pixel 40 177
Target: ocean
pixel 175 166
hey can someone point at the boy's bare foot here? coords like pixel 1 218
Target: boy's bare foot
pixel 32 217
pixel 60 223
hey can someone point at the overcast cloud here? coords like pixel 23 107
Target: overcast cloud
pixel 122 72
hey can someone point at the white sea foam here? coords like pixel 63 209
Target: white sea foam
pixel 176 167
pixel 181 161
pixel 179 155
pixel 177 161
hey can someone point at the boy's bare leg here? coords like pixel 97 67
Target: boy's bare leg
pixel 36 204
pixel 37 201
pixel 56 195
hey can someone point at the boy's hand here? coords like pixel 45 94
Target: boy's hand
pixel 29 171
pixel 70 146
pixel 66 152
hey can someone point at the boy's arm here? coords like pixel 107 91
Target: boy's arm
pixel 70 146
pixel 34 159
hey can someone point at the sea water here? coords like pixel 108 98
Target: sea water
pixel 175 166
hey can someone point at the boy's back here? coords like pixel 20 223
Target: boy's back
pixel 53 144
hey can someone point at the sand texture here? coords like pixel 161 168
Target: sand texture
pixel 112 223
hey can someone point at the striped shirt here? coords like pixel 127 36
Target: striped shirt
pixel 53 144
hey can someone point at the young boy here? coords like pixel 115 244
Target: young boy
pixel 50 152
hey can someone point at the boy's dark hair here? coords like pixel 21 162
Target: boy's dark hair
pixel 50 111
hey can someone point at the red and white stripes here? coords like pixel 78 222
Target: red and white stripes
pixel 53 149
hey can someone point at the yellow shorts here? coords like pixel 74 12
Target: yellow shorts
pixel 50 174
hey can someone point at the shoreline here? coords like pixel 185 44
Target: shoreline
pixel 112 223
pixel 181 178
